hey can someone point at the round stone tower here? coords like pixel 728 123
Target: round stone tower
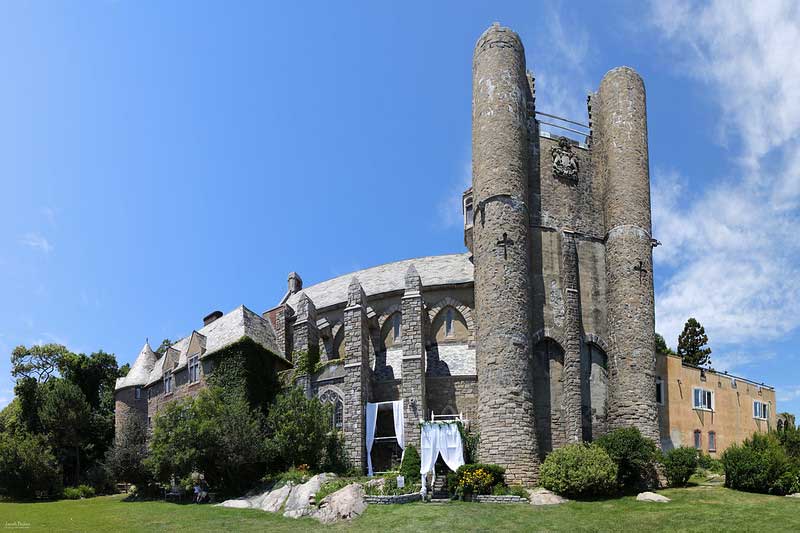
pixel 501 251
pixel 621 128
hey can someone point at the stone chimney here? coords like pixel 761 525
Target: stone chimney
pixel 211 317
pixel 295 283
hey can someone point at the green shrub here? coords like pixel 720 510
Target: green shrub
pixel 470 441
pixel 499 490
pixel 759 464
pixel 411 464
pixel 706 462
pixel 518 490
pixel 390 488
pixel 679 465
pixel 477 478
pixel 634 454
pixel 216 434
pixel 299 430
pixel 28 467
pixel 579 470
pixel 79 492
pixel 330 487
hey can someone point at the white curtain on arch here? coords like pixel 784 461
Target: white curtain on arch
pixel 439 439
pixel 371 419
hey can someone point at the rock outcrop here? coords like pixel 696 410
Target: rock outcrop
pixel 543 496
pixel 344 504
pixel 651 497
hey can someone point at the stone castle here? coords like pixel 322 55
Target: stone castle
pixel 540 335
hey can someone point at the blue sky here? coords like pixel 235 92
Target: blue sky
pixel 160 160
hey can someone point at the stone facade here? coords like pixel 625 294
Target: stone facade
pixel 540 335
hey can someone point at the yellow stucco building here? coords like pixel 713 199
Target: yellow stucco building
pixel 709 410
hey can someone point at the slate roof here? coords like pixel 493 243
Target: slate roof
pixel 229 328
pixel 141 368
pixel 434 270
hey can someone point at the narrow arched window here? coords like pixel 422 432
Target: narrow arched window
pixel 396 323
pixel 337 408
pixel 698 439
pixel 448 324
pixel 712 441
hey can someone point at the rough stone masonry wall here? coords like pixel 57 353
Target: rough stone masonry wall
pixel 621 126
pixel 414 355
pixel 126 406
pixel 501 107
pixel 571 397
pixel 356 381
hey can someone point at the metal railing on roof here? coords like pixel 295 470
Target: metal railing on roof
pixel 587 133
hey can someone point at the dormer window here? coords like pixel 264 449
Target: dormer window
pixel 168 382
pixel 194 369
pixel 137 393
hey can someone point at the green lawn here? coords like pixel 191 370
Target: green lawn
pixel 694 509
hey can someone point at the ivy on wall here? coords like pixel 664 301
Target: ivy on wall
pixel 246 369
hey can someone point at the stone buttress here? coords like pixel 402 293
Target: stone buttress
pixel 414 355
pixel 501 246
pixel 356 366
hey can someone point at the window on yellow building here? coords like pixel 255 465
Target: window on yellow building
pixel 698 439
pixel 760 410
pixel 703 399
pixel 659 391
pixel 712 441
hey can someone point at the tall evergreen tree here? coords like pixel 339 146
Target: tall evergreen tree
pixel 693 344
pixel 661 345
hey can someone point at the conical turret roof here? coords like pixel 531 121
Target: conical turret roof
pixel 141 368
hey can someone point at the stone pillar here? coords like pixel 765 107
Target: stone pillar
pixel 356 380
pixel 304 332
pixel 414 356
pixel 573 333
pixel 501 245
pixel 283 330
pixel 620 120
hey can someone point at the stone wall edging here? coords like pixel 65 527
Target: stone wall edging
pixel 393 499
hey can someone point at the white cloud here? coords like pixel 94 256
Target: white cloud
pixel 450 210
pixel 789 394
pixel 733 361
pixel 37 241
pixel 732 251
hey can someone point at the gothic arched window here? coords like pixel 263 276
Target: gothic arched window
pixel 337 412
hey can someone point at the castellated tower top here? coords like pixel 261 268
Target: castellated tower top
pixel 497 36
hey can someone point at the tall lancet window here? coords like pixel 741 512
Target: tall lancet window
pixel 396 323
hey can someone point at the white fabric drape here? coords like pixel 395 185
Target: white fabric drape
pixel 436 439
pixel 399 423
pixel 372 417
pixel 450 446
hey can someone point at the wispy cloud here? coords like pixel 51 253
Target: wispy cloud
pixel 561 75
pixel 732 250
pixel 49 214
pixel 450 210
pixel 788 394
pixel 734 361
pixel 37 241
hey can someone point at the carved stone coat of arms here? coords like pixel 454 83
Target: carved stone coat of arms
pixel 565 164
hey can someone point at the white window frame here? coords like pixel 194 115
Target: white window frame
pixel 760 410
pixel 169 384
pixel 660 385
pixel 194 364
pixel 705 395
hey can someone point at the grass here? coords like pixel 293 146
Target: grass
pixel 692 509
